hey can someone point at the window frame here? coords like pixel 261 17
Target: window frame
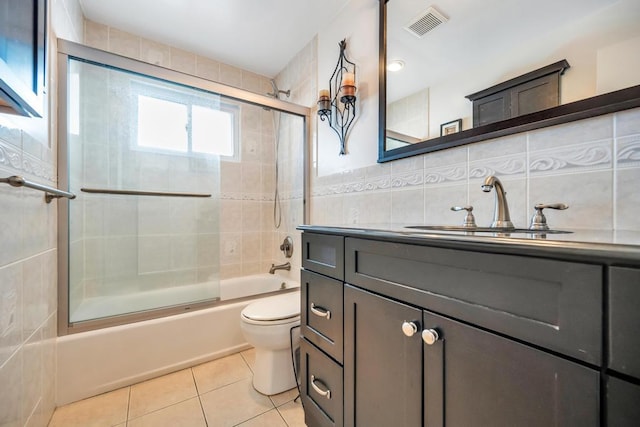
pixel 212 101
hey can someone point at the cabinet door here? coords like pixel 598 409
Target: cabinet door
pixel 382 366
pixel 475 378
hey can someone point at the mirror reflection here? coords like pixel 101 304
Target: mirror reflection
pixel 447 50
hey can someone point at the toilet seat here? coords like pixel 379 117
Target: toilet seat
pixel 276 310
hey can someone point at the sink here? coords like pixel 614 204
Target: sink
pixel 483 229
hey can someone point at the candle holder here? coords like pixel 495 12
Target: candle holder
pixel 337 106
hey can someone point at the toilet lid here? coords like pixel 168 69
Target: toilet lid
pixel 278 307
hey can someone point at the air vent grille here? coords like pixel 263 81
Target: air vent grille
pixel 425 22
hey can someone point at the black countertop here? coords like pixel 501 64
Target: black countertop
pixel 619 247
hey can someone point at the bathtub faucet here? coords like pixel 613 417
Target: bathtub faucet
pixel 285 266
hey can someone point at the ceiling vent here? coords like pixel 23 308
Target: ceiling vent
pixel 425 22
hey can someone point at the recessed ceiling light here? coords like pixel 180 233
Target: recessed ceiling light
pixel 395 65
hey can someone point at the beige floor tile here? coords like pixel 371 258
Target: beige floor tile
pixel 284 397
pixel 161 392
pixel 183 414
pixel 234 404
pixel 106 409
pixel 293 414
pixel 249 356
pixel 268 419
pixel 218 373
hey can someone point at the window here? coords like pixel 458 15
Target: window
pixel 178 122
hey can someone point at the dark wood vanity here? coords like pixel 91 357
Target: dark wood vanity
pixel 402 329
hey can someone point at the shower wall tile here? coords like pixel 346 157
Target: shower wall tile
pixel 183 61
pixel 207 68
pixel 155 53
pixel 230 75
pixel 252 82
pixel 123 43
pixel 12 390
pixel 96 35
pixel 154 254
pixel 32 374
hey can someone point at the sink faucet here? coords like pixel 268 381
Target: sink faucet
pixel 285 266
pixel 501 218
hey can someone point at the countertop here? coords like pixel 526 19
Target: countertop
pixel 621 247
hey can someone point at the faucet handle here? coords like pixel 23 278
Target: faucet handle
pixel 538 220
pixel 469 219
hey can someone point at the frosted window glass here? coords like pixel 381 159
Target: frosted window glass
pixel 162 124
pixel 212 131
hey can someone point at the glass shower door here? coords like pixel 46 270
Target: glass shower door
pixel 143 158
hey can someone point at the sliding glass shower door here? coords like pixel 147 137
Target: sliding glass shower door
pixel 143 157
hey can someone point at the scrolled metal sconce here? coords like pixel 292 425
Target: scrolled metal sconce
pixel 337 105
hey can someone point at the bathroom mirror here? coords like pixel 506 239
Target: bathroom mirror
pixel 451 49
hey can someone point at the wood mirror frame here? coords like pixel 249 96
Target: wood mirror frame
pixel 578 110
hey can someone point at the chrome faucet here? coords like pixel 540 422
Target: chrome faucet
pixel 501 218
pixel 285 266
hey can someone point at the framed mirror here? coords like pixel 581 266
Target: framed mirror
pixel 452 50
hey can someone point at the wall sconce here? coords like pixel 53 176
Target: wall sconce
pixel 337 105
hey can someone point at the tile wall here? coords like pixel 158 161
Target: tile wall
pixel 592 165
pixel 28 257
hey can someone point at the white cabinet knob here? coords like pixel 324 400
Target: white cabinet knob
pixel 409 328
pixel 430 336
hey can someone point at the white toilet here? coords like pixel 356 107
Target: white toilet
pixel 266 324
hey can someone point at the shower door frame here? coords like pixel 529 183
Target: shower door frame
pixel 67 50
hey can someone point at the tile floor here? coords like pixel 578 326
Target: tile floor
pixel 214 394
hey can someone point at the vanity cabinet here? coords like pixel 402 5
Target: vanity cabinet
pixel 440 334
pixel 321 323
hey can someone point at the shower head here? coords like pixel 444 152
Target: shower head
pixel 276 92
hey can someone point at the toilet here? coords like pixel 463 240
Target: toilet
pixel 266 325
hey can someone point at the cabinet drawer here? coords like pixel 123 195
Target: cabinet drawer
pixel 322 390
pixel 323 254
pixel 624 320
pixel 553 304
pixel 321 308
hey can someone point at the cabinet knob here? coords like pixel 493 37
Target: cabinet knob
pixel 430 336
pixel 409 328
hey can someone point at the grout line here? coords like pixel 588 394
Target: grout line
pixel 204 414
pixel 126 422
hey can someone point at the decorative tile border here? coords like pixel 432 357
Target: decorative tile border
pixel 453 173
pixel 23 163
pixel 628 154
pixel 589 156
pixel 498 166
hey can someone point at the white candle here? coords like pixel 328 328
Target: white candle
pixel 348 79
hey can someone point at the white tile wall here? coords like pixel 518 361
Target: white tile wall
pixel 28 257
pixel 592 165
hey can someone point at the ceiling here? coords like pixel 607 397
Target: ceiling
pixel 256 35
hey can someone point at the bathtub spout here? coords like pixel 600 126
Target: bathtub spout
pixel 285 266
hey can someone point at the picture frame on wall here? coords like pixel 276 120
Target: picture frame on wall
pixel 453 126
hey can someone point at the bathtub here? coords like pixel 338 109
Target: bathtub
pixel 94 362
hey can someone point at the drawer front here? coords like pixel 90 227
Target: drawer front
pixel 553 304
pixel 624 320
pixel 321 310
pixel 323 254
pixel 322 389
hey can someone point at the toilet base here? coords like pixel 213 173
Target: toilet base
pixel 273 371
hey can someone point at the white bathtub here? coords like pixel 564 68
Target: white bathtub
pixel 90 363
